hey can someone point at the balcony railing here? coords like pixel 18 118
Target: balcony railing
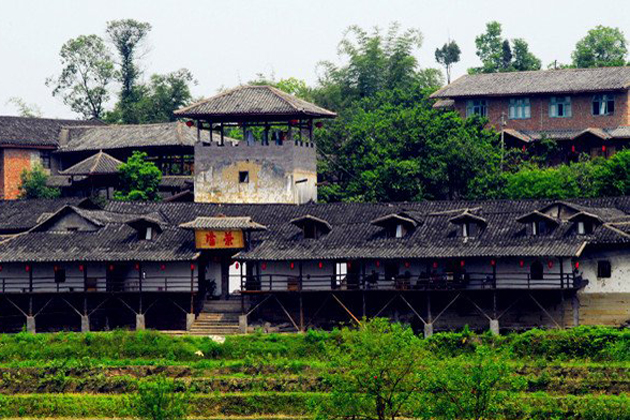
pixel 443 281
pixel 40 284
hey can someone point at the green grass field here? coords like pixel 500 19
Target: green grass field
pixel 582 373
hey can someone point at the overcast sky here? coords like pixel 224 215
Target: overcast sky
pixel 224 43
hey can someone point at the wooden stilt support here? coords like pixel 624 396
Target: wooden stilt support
pixel 286 313
pixel 301 313
pixel 544 310
pixel 347 310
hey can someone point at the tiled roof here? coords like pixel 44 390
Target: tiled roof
pixel 128 136
pixel 223 223
pixel 19 215
pixel 603 79
pixel 33 132
pixel 253 101
pixel 99 164
pixel 621 132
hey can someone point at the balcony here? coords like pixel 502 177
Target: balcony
pixel 423 282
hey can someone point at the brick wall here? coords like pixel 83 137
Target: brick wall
pixel 540 120
pixel 14 161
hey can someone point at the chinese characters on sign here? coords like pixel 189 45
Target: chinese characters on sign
pixel 217 239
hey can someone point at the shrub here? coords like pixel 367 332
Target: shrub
pixel 158 400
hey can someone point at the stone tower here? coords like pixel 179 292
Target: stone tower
pixel 274 162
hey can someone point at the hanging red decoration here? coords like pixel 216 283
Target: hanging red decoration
pixel 462 263
pixel 493 262
pixel 319 124
pixel 603 148
pixel 263 266
pixel 294 122
pixel 27 268
pixel 320 265
pixel 162 267
pixel 349 264
pixel 550 264
pixel 407 264
pixel 377 263
pixel 137 267
pixel 81 268
pixel 111 267
pixel 577 265
pixel 521 263
pixel 189 123
pixel 192 267
pixel 524 149
pixel 0 268
pixel 292 265
pixel 573 149
pixel 55 268
pixel 435 264
pixel 236 265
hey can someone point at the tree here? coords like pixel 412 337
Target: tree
pixel 374 373
pixel 502 55
pixel 127 35
pixel 473 390
pixel 24 109
pixel 139 179
pixel 601 47
pixel 155 102
pixel 88 70
pixel 612 176
pixel 447 56
pixel 34 184
pixel 375 62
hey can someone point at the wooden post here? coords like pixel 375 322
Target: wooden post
pixel 561 273
pixel 192 288
pixel 301 311
pixel 139 288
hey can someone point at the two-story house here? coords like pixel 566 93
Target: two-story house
pixel 584 110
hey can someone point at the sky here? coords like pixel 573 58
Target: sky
pixel 228 42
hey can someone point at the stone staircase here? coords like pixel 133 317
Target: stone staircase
pixel 218 317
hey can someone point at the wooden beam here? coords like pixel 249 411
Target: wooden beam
pixel 286 313
pixel 346 309
pixel 413 310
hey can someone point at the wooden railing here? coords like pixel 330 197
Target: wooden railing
pixel 42 284
pixel 443 281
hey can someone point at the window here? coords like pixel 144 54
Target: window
pixel 44 155
pixel 604 269
pixel 519 109
pixel 539 228
pixel 476 107
pixel 603 105
pixel 470 230
pixel 243 177
pixel 149 233
pixel 560 107
pixel 310 231
pixel 399 231
pixel 60 275
pixel 584 228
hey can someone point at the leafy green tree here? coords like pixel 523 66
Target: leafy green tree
pixel 158 399
pixel 34 184
pixel 139 179
pixel 611 177
pixel 155 102
pixel 375 62
pixel 601 47
pixel 87 72
pixel 474 388
pixel 396 147
pixel 501 55
pixel 25 109
pixel 127 35
pixel 447 56
pixel 374 373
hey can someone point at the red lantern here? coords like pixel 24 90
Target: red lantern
pixel 493 262
pixel 577 265
pixel 604 149
pixel 319 124
pixel 236 265
pixel 550 264
pixel 189 123
pixel 521 263
pixel 524 149
pixel 111 267
pixel 55 268
pixel 320 265
pixel 294 122
pixel 292 265
pixel 349 264
pixel 462 263
pixel 137 267
pixel 573 149
pixel 0 268
pixel 81 268
pixel 407 264
pixel 263 266
pixel 162 267
pixel 27 268
pixel 435 265
pixel 192 267
pixel 377 263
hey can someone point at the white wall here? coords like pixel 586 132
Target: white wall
pixel 619 282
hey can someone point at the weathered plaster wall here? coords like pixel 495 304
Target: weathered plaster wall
pixel 277 173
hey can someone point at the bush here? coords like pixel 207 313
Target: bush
pixel 158 400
